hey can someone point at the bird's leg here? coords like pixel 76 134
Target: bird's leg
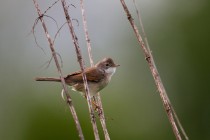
pixel 97 107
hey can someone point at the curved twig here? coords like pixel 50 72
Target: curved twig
pixel 69 100
pixel 34 26
pixel 58 32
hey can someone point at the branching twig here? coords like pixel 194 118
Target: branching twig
pixel 80 60
pixel 33 29
pixel 33 32
pixel 155 74
pixel 69 100
pixel 101 114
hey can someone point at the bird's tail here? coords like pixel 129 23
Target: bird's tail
pixel 47 79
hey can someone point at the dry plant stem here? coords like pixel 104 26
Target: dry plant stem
pixel 102 117
pixel 86 32
pixel 148 48
pixel 80 60
pixel 69 101
pixel 155 74
pixel 99 102
pixel 142 27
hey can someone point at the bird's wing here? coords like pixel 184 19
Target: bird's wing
pixel 92 74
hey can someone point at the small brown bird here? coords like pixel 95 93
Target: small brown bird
pixel 98 77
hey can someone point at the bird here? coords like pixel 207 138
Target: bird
pixel 98 77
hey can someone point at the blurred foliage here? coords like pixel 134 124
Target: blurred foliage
pixel 178 33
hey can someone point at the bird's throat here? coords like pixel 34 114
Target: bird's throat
pixel 110 71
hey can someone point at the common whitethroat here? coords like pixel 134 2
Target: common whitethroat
pixel 98 77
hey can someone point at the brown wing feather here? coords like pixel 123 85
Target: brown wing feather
pixel 92 74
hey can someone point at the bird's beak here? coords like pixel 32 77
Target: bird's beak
pixel 116 65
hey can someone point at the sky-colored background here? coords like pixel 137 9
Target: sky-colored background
pixel 178 33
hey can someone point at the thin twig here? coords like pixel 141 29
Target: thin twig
pixel 69 100
pixel 86 32
pixel 148 48
pixel 33 29
pixel 58 32
pixel 141 25
pixel 155 74
pixel 50 7
pixel 33 32
pixel 80 60
pixel 179 123
pixel 49 61
pixel 99 102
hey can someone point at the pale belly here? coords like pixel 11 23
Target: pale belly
pixel 93 87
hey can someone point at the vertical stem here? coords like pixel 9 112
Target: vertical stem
pixel 86 32
pixel 148 48
pixel 155 74
pixel 80 60
pixel 69 100
pixel 99 102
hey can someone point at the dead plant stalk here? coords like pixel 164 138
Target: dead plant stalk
pixel 99 102
pixel 81 62
pixel 155 74
pixel 69 100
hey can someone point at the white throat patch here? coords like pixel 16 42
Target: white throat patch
pixel 110 71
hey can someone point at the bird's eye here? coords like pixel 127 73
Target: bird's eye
pixel 107 64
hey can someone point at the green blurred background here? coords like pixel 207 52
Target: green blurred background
pixel 178 33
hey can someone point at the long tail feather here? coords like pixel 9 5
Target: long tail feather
pixel 47 79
